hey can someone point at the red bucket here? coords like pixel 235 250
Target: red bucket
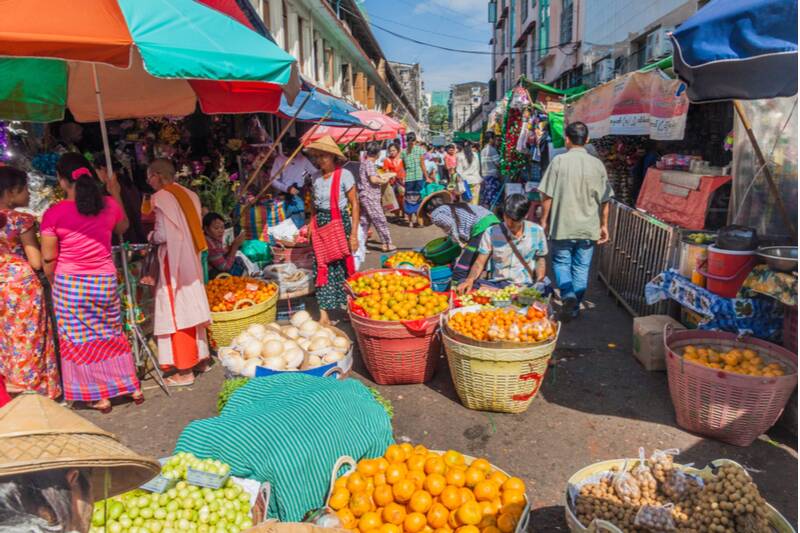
pixel 727 270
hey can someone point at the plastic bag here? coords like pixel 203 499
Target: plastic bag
pixel 661 463
pixel 257 251
pixel 676 485
pixel 626 487
pixel 655 517
pixel 642 474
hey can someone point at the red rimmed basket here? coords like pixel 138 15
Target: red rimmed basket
pixel 397 352
pixel 733 408
pixel 400 271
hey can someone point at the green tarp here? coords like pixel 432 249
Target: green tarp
pixel 556 121
pixel 537 86
pixel 461 136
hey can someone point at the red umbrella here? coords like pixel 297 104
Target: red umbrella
pixel 381 128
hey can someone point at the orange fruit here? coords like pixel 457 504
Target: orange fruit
pixel 498 477
pixel 340 483
pixel 455 477
pixel 394 454
pixel 360 503
pixel 389 528
pixel 383 495
pixel 421 501
pixel 394 513
pixel 466 495
pixel 395 473
pixel 487 520
pixel 435 484
pixel 482 465
pixel 514 509
pixel 381 463
pixel 452 520
pixel 469 513
pixel 356 483
pixel 506 523
pixel 473 476
pixel 379 479
pixel 417 476
pixel 420 449
pixel 369 521
pixel 403 490
pixel 435 465
pixel 367 468
pixel 514 483
pixel 443 530
pixel 416 462
pixel 497 503
pixel 468 529
pixel 487 508
pixel 453 458
pixel 485 491
pixel 450 497
pixel 490 529
pixel 414 522
pixel 408 449
pixel 438 515
pixel 339 499
pixel 512 496
pixel 347 518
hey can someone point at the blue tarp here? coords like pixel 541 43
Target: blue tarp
pixel 738 49
pixel 316 108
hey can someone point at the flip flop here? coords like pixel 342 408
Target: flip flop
pixel 170 382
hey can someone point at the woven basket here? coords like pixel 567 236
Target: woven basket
pixel 776 520
pixel 733 408
pixel 401 271
pixel 398 352
pixel 227 325
pixel 345 460
pixel 503 380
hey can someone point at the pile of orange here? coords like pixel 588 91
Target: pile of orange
pixel 385 282
pixel 745 361
pixel 414 490
pixel 399 305
pixel 506 325
pixel 224 293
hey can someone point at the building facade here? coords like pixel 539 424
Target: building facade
pixel 440 98
pixel 337 51
pixel 410 77
pixel 465 98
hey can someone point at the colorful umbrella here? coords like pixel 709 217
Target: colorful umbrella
pixel 146 58
pixel 334 111
pixel 379 128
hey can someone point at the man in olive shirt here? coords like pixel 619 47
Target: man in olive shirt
pixel 575 213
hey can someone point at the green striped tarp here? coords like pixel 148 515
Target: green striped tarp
pixel 290 429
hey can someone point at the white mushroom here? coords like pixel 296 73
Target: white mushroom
pixel 299 318
pixel 307 329
pixel 271 348
pixel 273 363
pixel 291 332
pixel 293 358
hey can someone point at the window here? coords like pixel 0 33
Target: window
pixel 533 51
pixel 544 28
pixel 492 13
pixel 523 67
pixel 523 14
pixel 566 21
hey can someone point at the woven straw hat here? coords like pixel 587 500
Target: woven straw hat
pixel 37 434
pixel 327 145
pixel 422 215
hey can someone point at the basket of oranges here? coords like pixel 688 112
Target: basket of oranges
pixel 727 387
pixel 413 489
pixel 408 260
pixel 383 280
pixel 237 303
pixel 498 357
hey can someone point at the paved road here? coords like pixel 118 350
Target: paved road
pixel 597 403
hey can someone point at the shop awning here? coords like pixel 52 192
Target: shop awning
pixel 538 86
pixel 377 127
pixel 738 49
pixel 335 111
pixel 461 136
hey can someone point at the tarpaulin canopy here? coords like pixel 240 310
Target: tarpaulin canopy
pixel 538 86
pixel 461 136
pixel 150 58
pixel 380 128
pixel 312 105
pixel 738 49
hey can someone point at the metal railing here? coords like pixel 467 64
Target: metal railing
pixel 640 247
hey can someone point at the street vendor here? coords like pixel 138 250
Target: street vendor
pixel 221 258
pixel 517 248
pixel 464 223
pixel 291 180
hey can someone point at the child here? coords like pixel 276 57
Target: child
pixel 221 258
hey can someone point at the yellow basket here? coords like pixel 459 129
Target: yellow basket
pixel 346 460
pixel 225 326
pixel 778 523
pixel 504 379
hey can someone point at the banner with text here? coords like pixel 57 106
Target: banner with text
pixel 642 103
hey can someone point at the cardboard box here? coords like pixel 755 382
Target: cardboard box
pixel 648 340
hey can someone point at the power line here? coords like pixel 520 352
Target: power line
pixel 472 27
pixel 372 15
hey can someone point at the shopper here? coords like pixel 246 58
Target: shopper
pixel 369 195
pixel 416 176
pixel 469 171
pixel 130 195
pixel 450 163
pixel 221 258
pixel 332 191
pixel 394 163
pixel 575 192
pixel 291 181
pixel 464 223
pixel 517 248
pixel 181 310
pixel 96 359
pixel 490 162
pixel 27 351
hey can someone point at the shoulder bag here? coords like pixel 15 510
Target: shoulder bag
pixel 517 253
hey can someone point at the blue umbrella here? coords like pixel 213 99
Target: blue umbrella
pixel 738 49
pixel 333 111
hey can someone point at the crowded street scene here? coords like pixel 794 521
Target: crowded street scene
pixel 408 266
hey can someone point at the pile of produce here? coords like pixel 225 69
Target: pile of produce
pixel 388 282
pixel 412 490
pixel 224 293
pixel 658 496
pixel 302 344
pixel 701 238
pixel 488 296
pixel 399 305
pixel 184 507
pixel 745 361
pixel 408 258
pixel 508 325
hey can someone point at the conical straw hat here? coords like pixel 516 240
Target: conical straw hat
pixel 37 434
pixel 326 144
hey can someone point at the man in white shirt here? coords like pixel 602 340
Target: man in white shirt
pixel 291 180
pixel 490 160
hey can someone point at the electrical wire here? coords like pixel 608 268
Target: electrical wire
pixel 450 20
pixel 372 15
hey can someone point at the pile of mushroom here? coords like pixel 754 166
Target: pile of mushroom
pixel 300 345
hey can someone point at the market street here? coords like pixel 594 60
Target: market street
pixel 597 403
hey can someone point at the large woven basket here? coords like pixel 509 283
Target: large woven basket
pixel 733 408
pixel 401 271
pixel 776 520
pixel 503 380
pixel 397 352
pixel 227 325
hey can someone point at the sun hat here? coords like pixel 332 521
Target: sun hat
pixel 421 214
pixel 37 434
pixel 327 145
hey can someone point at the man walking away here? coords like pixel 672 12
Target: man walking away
pixel 575 213
pixel 490 160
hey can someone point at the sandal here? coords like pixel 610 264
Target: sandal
pixel 137 397
pixel 172 382
pixel 104 406
pixel 391 248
